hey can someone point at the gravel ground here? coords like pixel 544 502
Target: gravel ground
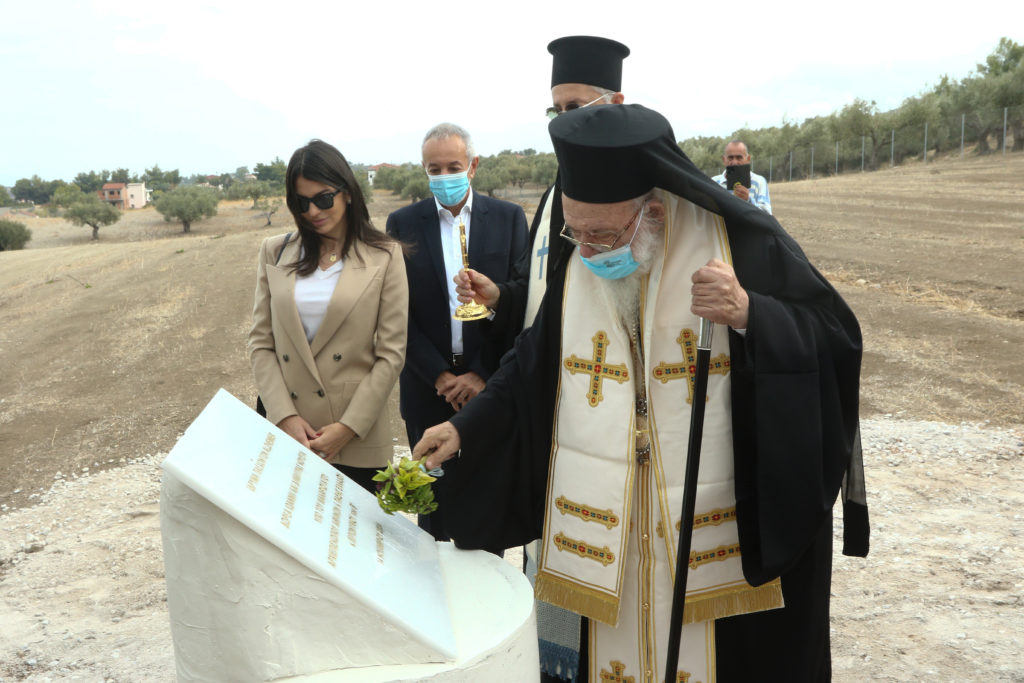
pixel 82 593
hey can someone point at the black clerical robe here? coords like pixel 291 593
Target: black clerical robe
pixel 794 382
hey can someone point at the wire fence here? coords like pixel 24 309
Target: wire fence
pixel 983 132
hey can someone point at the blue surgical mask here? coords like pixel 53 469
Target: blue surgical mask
pixel 614 264
pixel 450 189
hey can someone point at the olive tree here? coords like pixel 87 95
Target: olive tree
pixel 187 204
pixel 92 211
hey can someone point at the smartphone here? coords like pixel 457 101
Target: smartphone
pixel 737 174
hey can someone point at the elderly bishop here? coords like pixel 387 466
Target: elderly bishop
pixel 596 399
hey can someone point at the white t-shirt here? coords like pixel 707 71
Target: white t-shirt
pixel 313 293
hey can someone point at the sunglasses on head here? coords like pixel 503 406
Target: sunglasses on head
pixel 322 201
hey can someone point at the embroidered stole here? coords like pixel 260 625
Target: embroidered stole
pixel 538 263
pixel 612 522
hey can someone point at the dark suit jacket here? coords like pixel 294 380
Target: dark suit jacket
pixel 497 240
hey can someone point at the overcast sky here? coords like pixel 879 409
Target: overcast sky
pixel 206 86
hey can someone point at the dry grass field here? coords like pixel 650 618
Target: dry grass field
pixel 109 349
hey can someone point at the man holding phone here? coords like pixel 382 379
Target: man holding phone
pixel 746 185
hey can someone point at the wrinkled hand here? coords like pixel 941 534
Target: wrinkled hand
pixel 463 389
pixel 330 439
pixel 718 296
pixel 741 192
pixel 473 286
pixel 439 443
pixel 297 428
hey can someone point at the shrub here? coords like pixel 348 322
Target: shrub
pixel 13 235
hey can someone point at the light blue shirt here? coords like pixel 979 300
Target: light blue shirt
pixel 758 191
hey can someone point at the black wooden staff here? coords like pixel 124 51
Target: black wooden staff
pixel 700 391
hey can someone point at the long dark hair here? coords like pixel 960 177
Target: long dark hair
pixel 323 163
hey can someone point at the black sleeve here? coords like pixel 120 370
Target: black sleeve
pixel 500 496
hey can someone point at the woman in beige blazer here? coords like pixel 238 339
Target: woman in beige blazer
pixel 330 318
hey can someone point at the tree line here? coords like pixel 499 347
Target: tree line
pixel 976 103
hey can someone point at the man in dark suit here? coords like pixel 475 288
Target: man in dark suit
pixel 448 362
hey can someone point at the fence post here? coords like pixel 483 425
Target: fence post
pixel 837 157
pixel 963 118
pixel 926 142
pixel 812 162
pixel 861 153
pixel 1005 109
pixel 892 149
pixel 791 165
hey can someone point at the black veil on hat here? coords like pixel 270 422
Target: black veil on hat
pixel 589 60
pixel 618 152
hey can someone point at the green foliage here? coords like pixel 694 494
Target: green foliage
pixel 67 195
pixel 187 205
pixel 252 189
pixel 1007 56
pixel 92 181
pixel 157 179
pixel 274 171
pixel 13 235
pixel 416 187
pixel 489 177
pixel 364 182
pixel 5 198
pixel 405 488
pixel 92 211
pixel 860 136
pixel 123 175
pixel 545 168
pixel 35 189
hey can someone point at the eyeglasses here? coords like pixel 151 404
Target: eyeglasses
pixel 553 112
pixel 322 201
pixel 570 235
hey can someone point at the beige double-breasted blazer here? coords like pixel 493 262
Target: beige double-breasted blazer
pixel 349 369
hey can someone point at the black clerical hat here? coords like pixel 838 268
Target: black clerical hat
pixel 604 152
pixel 622 151
pixel 587 59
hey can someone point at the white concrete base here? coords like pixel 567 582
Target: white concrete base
pixel 241 609
pixel 491 605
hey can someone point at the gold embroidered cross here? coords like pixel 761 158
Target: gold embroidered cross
pixel 596 368
pixel 616 675
pixel 719 365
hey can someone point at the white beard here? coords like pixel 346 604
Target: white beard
pixel 622 296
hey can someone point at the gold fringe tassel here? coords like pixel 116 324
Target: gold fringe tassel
pixel 732 602
pixel 583 600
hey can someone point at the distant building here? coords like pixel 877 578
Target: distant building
pixel 113 194
pixel 138 195
pixel 373 171
pixel 126 195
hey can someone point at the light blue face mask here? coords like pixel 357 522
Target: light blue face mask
pixel 617 263
pixel 450 189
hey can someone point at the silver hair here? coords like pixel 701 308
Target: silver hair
pixel 443 131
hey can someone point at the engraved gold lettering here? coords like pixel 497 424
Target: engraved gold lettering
pixel 261 462
pixel 353 513
pixel 321 500
pixel 293 491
